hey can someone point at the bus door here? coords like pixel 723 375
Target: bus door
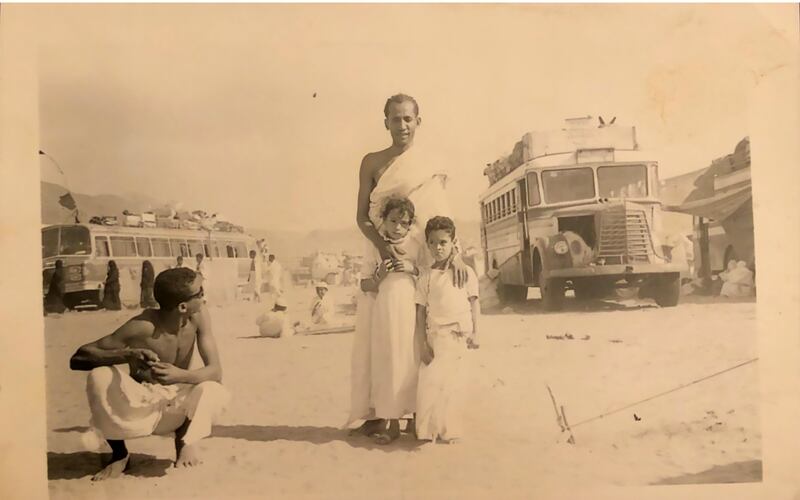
pixel 524 237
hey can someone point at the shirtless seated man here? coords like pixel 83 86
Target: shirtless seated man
pixel 159 394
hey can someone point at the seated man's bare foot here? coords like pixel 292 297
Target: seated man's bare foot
pixel 186 455
pixel 112 470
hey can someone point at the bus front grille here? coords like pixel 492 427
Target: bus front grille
pixel 624 236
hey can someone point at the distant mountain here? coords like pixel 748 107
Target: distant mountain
pixel 89 205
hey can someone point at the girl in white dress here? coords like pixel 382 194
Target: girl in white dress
pixel 393 384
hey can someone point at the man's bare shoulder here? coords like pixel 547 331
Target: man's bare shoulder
pixel 375 160
pixel 141 325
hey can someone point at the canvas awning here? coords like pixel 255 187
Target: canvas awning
pixel 714 192
pixel 717 207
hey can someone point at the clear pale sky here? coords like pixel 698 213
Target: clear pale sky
pixel 212 105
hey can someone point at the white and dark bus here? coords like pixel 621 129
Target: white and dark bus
pixel 85 250
pixel 585 219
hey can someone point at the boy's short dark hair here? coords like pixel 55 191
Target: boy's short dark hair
pixel 440 222
pixel 398 203
pixel 172 287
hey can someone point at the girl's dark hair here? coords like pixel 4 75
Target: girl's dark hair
pixel 440 222
pixel 403 204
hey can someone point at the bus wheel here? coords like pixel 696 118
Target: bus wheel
pixel 511 294
pixel 667 290
pixel 552 294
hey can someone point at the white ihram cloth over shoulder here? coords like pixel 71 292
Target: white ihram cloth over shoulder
pixel 411 176
pixel 440 396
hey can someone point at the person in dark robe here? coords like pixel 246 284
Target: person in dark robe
pixel 111 299
pixel 54 299
pixel 147 300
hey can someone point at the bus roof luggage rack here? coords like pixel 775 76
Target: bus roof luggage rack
pixel 578 135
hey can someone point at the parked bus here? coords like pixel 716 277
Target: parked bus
pixel 85 250
pixel 586 219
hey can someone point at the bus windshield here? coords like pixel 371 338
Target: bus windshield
pixel 622 181
pixel 74 240
pixel 568 185
pixel 50 242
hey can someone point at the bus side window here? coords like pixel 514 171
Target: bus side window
pixel 231 251
pixel 101 246
pixel 176 248
pixel 123 246
pixel 241 249
pixel 143 247
pixel 195 247
pixel 219 249
pixel 160 247
pixel 533 190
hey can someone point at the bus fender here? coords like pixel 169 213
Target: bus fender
pixel 543 246
pixel 578 255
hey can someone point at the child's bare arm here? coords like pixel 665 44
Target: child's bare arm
pixel 373 283
pixel 420 335
pixel 473 342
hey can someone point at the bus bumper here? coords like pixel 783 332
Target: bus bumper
pixel 620 270
pixel 82 287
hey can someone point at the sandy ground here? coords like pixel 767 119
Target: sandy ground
pixel 281 436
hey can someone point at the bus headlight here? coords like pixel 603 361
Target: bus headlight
pixel 561 247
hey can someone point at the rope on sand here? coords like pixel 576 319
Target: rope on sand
pixel 702 379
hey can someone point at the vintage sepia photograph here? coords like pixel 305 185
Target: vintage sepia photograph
pixel 400 251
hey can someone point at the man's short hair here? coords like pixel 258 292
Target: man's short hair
pixel 400 99
pixel 271 257
pixel 440 222
pixel 172 287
